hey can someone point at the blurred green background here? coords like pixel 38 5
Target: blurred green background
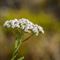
pixel 42 12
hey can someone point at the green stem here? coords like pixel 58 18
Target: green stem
pixel 13 58
pixel 18 44
pixel 28 38
pixel 15 53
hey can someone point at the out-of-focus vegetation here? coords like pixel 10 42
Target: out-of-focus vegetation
pixel 44 13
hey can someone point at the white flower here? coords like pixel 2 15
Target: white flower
pixel 23 20
pixel 7 24
pixel 35 30
pixel 40 28
pixel 25 25
pixel 15 23
pixel 29 26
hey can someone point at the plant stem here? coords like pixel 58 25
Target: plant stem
pixel 15 53
pixel 28 38
pixel 19 42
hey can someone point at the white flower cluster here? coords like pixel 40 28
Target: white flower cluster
pixel 25 25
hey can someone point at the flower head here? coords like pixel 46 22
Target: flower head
pixel 25 25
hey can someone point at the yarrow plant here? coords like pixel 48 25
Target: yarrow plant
pixel 24 25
